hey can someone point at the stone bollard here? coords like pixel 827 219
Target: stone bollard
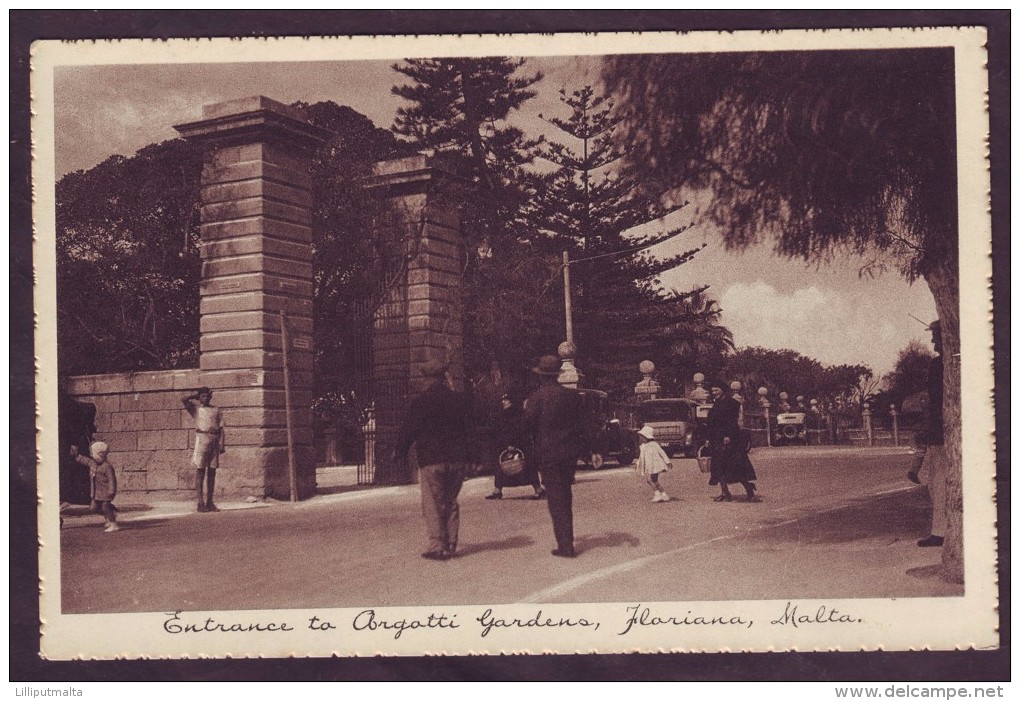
pixel 647 388
pixel 763 399
pixel 895 424
pixel 866 415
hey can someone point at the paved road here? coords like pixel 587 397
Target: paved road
pixel 834 522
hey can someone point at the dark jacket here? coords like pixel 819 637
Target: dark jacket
pixel 102 476
pixel 437 424
pixel 553 417
pixel 935 430
pixel 722 421
pixel 509 428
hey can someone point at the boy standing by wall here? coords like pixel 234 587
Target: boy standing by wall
pixel 209 444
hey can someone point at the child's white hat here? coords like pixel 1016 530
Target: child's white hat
pixel 648 432
pixel 97 448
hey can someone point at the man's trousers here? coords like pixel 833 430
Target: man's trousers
pixel 440 484
pixel 933 473
pixel 557 481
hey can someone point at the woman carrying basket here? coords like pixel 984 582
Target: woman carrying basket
pixel 509 471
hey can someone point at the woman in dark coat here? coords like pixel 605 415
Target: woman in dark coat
pixel 728 447
pixel 509 434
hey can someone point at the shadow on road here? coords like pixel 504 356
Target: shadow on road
pixel 343 489
pixel 520 541
pixel 613 539
pixel 143 525
pixel 901 516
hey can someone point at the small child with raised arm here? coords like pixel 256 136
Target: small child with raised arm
pixel 102 480
pixel 652 461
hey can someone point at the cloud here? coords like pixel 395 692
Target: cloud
pixel 816 321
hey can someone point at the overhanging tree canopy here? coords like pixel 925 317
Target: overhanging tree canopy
pixel 819 151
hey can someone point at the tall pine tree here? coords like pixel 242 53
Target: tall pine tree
pixel 460 106
pixel 621 313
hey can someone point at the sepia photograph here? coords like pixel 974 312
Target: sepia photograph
pixel 571 343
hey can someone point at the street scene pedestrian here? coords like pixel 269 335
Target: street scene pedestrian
pixel 730 463
pixel 436 428
pixel 209 444
pixel 510 443
pixel 553 417
pixel 652 462
pixel 102 480
pixel 932 469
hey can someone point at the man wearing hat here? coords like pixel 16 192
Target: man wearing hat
pixel 437 425
pixel 936 460
pixel 553 417
pixel 209 444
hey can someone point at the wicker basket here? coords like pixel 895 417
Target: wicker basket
pixel 511 462
pixel 704 461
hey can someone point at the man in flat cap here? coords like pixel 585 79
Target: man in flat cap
pixel 437 425
pixel 553 416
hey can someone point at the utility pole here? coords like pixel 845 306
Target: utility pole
pixel 566 297
pixel 569 375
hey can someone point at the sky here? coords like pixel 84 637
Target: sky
pixel 830 312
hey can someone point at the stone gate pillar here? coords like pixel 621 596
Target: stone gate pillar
pixel 421 316
pixel 256 252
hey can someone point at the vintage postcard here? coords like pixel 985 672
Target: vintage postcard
pixel 566 343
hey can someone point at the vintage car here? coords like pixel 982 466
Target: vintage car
pixel 606 436
pixel 790 427
pixel 677 424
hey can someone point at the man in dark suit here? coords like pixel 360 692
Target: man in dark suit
pixel 437 425
pixel 553 417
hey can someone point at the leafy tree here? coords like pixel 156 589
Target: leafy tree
pixel 798 375
pixel 822 151
pixel 127 263
pixel 128 270
pixel 698 342
pixel 910 374
pixel 588 209
pixel 459 108
pixel 349 260
pixel 906 386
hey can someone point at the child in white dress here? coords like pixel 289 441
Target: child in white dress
pixel 652 461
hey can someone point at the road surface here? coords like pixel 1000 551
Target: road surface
pixel 834 522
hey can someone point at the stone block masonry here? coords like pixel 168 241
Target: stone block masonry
pixel 140 416
pixel 421 319
pixel 256 238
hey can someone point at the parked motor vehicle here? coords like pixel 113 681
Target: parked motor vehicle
pixel 607 437
pixel 791 427
pixel 678 424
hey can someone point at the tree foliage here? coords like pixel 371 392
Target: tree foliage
pixel 127 263
pixel 818 150
pixel 349 260
pixel 607 221
pixel 798 375
pixel 459 107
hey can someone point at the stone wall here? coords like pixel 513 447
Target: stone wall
pixel 149 433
